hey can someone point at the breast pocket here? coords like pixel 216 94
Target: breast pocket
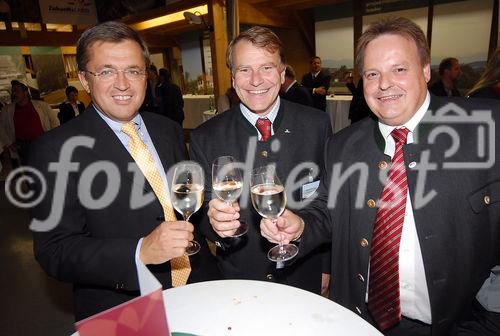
pixel 485 197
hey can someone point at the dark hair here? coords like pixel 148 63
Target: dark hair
pixel 15 82
pixel 110 31
pixel 315 58
pixel 165 74
pixel 446 64
pixel 289 72
pixel 393 26
pixel 152 67
pixel 260 37
pixel 70 89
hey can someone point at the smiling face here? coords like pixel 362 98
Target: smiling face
pixel 394 80
pixel 119 98
pixel 257 76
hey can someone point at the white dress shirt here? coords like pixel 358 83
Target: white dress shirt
pixel 252 117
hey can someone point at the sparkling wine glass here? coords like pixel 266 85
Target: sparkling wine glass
pixel 227 185
pixel 269 200
pixel 187 194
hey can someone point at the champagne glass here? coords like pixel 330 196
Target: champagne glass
pixel 269 200
pixel 227 185
pixel 187 194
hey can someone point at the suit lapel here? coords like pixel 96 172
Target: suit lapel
pixel 162 143
pixel 107 146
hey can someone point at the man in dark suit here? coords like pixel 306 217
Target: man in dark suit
pixel 106 215
pixel 296 134
pixel 71 108
pixel 169 96
pixel 412 262
pixel 449 71
pixel 318 83
pixel 293 91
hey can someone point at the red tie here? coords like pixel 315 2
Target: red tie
pixel 264 127
pixel 383 293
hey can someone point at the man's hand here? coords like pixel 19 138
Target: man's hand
pixel 320 91
pixel 168 240
pixel 224 217
pixel 286 228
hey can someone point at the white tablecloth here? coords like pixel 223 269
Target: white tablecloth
pixel 244 307
pixel 338 108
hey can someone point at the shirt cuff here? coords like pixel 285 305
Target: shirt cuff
pixel 137 251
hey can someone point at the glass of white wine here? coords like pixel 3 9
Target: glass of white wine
pixel 227 185
pixel 187 194
pixel 269 200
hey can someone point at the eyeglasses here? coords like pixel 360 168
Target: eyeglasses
pixel 110 74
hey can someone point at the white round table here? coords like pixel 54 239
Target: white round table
pixel 245 307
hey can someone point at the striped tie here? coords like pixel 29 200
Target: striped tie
pixel 264 127
pixel 180 267
pixel 383 293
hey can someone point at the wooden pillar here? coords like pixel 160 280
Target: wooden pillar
pixel 357 22
pixel 494 30
pixel 218 44
pixel 430 19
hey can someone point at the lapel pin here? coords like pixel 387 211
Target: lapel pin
pixel 287 131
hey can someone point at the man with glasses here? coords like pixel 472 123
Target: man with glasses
pixel 98 240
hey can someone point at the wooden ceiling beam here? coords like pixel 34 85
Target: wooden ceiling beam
pixel 169 9
pixel 265 16
pixel 38 38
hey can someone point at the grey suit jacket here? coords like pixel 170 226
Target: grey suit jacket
pixel 300 134
pixel 458 228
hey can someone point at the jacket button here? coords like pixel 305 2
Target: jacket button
pixel 371 203
pixel 360 277
pixel 487 199
pixel 382 165
pixel 269 277
pixel 363 242
pixel 263 153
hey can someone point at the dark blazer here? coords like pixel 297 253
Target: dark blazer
pixel 95 248
pixel 438 89
pixel 171 102
pixel 458 229
pixel 297 93
pixel 322 79
pixel 300 134
pixel 66 112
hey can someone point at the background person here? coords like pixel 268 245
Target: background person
pixel 23 121
pixel 318 82
pixel 293 91
pixel 449 71
pixel 169 97
pixel 71 108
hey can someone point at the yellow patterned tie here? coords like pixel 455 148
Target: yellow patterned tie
pixel 180 266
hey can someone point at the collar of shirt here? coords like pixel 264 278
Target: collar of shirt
pixel 116 127
pixel 289 86
pixel 252 117
pixel 314 74
pixel 390 145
